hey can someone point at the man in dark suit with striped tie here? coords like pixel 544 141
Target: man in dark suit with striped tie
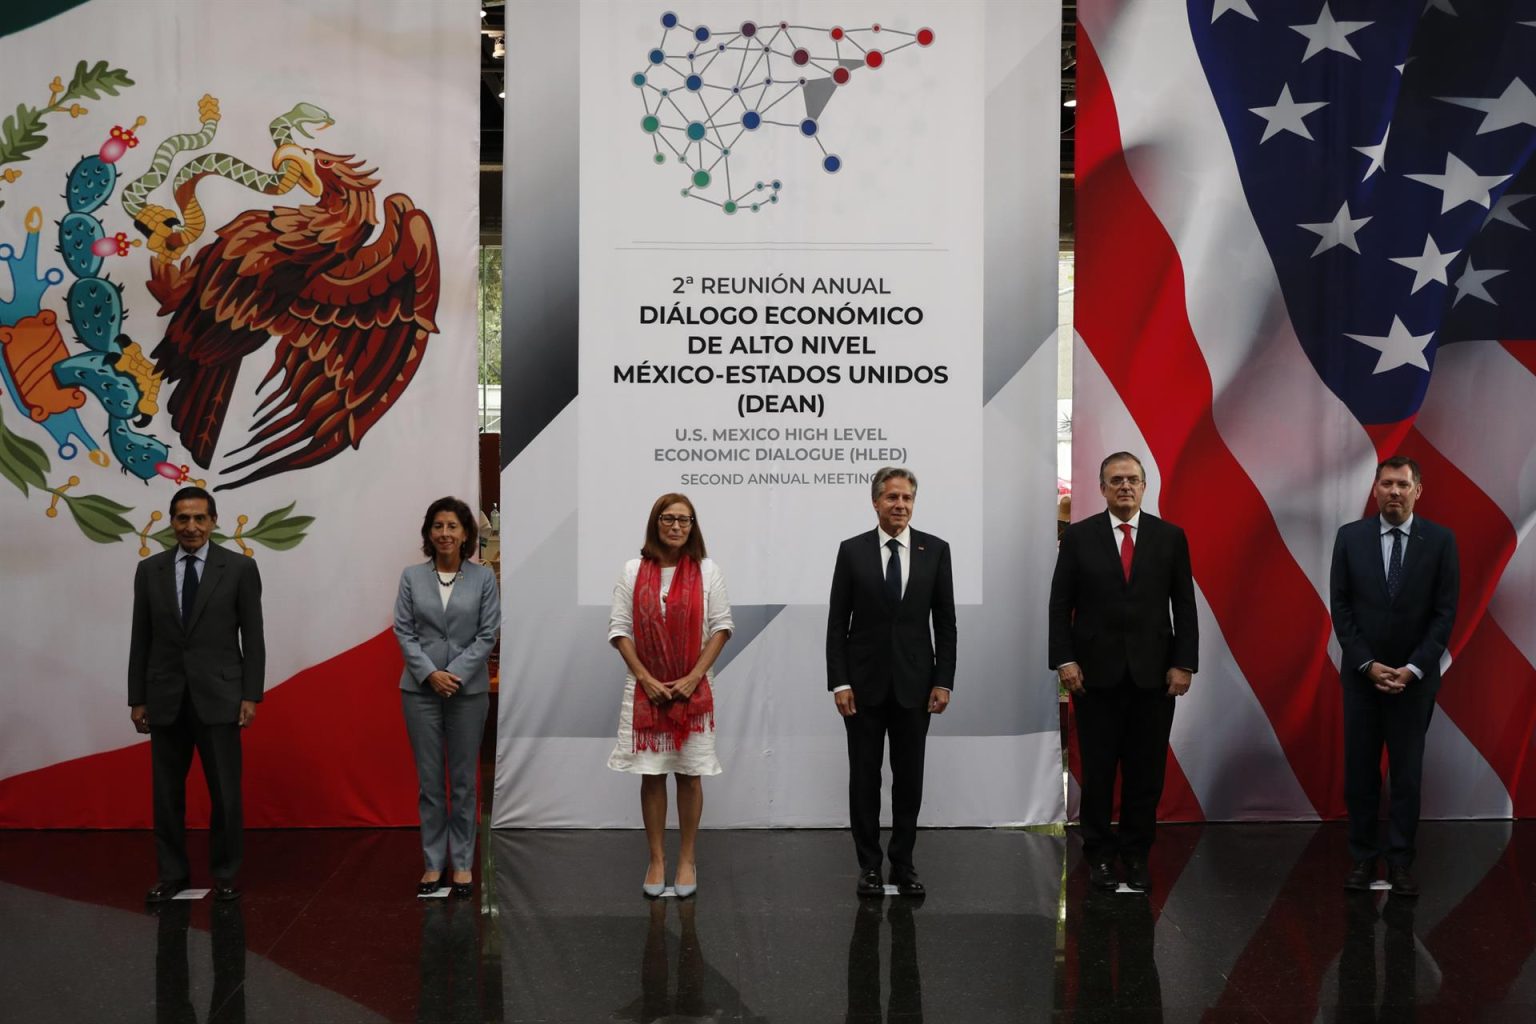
pixel 1124 641
pixel 196 671
pixel 1393 590
pixel 891 643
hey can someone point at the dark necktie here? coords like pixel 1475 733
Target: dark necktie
pixel 1127 550
pixel 1395 563
pixel 893 571
pixel 188 588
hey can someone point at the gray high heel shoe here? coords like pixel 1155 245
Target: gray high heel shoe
pixel 653 891
pixel 684 891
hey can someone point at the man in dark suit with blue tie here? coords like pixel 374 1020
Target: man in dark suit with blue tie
pixel 1124 641
pixel 1393 590
pixel 196 671
pixel 891 644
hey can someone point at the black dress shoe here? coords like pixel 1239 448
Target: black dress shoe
pixel 165 890
pixel 1138 875
pixel 463 890
pixel 1361 876
pixel 870 883
pixel 428 888
pixel 908 884
pixel 225 892
pixel 1101 875
pixel 1401 880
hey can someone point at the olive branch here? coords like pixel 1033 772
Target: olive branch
pixel 23 132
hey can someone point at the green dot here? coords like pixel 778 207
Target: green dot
pixel 660 158
pixel 701 179
pixel 730 207
pixel 650 123
pixel 754 207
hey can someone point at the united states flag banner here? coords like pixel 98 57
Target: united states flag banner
pixel 237 249
pixel 1305 242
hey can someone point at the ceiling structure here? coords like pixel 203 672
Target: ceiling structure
pixel 492 88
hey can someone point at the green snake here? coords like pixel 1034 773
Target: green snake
pixel 169 236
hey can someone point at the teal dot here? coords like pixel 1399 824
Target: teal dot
pixel 726 151
pixel 701 179
pixel 650 123
pixel 695 131
pixel 639 78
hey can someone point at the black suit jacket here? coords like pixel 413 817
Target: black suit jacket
pixel 220 656
pixel 883 649
pixel 1111 627
pixel 1411 629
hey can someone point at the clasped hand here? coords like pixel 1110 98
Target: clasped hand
pixel 444 683
pixel 1389 680
pixel 678 689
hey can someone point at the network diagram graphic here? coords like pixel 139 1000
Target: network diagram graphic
pixel 706 93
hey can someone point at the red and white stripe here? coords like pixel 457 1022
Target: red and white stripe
pixel 1186 350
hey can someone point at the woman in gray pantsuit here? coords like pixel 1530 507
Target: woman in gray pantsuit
pixel 446 617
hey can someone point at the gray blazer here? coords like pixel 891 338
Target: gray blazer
pixel 220 656
pixel 457 638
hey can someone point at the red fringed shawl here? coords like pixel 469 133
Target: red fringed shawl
pixel 669 647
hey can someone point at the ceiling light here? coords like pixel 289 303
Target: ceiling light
pixel 500 49
pixel 1070 100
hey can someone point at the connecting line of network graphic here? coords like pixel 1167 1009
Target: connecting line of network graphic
pixel 736 96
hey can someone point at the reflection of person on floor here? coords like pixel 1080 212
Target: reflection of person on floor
pixel 1358 990
pixel 449 956
pixel 906 997
pixel 173 978
pixel 658 1001
pixel 1116 972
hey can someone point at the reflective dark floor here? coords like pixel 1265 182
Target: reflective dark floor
pixel 1245 923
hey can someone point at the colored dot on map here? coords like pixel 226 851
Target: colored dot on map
pixel 659 158
pixel 650 122
pixel 840 76
pixel 729 207
pixel 657 56
pixel 701 33
pixel 808 127
pixel 874 58
pixel 695 83
pixel 701 179
pixel 639 78
pixel 748 29
pixel 874 28
pixel 836 33
pixel 695 131
pixel 925 37
pixel 669 20
pixel 802 57
pixel 832 164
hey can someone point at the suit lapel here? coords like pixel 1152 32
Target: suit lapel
pixel 1107 527
pixel 431 604
pixel 166 583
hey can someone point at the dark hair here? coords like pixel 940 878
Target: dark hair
pixel 654 549
pixel 1398 462
pixel 193 493
pixel 466 519
pixel 1119 457
pixel 884 473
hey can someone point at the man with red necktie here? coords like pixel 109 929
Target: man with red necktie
pixel 1124 641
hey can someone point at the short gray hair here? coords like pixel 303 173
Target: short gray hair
pixel 884 473
pixel 1120 457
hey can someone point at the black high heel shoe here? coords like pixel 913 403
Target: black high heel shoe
pixel 428 888
pixel 463 890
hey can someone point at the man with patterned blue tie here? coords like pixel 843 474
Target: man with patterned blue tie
pixel 1392 590
pixel 196 671
pixel 891 643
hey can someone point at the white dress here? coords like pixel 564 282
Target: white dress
pixel 697 756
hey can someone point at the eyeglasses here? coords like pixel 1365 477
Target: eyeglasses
pixel 1116 481
pixel 671 520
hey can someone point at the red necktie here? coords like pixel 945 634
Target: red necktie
pixel 1127 549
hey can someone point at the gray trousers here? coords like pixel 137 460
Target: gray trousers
pixel 446 732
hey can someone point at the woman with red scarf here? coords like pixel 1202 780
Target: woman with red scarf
pixel 670 620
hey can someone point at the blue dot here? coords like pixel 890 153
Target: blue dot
pixel 639 78
pixel 695 83
pixel 751 119
pixel 808 127
pixel 722 47
pixel 695 131
pixel 669 20
pixel 832 164
pixel 776 184
pixel 701 33
pixel 657 56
